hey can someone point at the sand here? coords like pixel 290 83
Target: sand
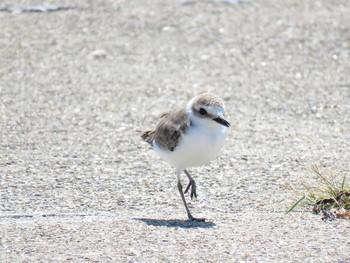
pixel 76 84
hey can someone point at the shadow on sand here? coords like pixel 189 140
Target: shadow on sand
pixel 176 223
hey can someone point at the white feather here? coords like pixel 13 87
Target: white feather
pixel 199 144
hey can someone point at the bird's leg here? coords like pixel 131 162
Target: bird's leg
pixel 179 186
pixel 191 184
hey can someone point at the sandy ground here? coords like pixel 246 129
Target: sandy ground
pixel 78 184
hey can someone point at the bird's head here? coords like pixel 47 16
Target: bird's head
pixel 208 110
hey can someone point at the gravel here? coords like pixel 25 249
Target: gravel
pixel 77 83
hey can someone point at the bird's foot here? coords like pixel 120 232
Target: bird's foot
pixel 192 185
pixel 193 219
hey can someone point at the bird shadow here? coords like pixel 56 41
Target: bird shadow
pixel 176 223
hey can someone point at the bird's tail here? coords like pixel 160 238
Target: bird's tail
pixel 148 136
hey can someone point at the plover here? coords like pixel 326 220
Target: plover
pixel 189 137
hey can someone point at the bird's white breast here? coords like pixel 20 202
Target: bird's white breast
pixel 197 147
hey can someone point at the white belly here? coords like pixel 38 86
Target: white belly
pixel 197 147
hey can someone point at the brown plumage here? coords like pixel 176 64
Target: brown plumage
pixel 148 136
pixel 168 130
pixel 207 99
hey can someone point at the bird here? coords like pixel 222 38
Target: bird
pixel 190 136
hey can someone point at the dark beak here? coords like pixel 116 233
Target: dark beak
pixel 222 121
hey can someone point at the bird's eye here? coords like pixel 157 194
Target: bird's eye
pixel 202 111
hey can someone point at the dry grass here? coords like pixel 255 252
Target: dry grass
pixel 330 195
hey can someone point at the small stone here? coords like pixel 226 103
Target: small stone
pixel 98 54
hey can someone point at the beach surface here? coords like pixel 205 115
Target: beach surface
pixel 79 80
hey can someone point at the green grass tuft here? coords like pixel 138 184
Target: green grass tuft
pixel 330 195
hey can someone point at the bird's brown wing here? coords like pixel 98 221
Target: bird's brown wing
pixel 169 129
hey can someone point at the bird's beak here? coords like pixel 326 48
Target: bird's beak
pixel 222 121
